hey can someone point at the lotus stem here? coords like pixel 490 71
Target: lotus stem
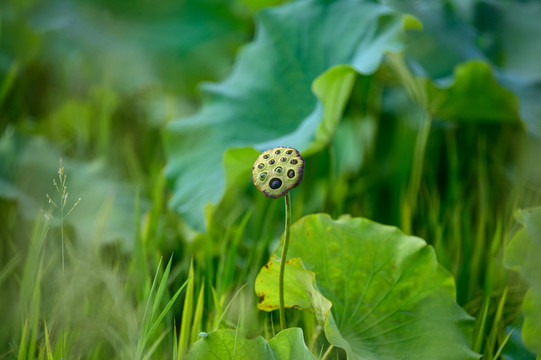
pixel 283 261
pixel 275 172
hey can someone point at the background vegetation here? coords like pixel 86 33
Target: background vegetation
pixel 424 115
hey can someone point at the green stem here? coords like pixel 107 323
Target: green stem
pixel 283 262
pixel 328 352
pixel 62 237
pixel 63 271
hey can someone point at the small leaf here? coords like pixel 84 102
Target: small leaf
pixel 299 288
pixel 522 255
pixel 474 96
pixel 228 344
pixel 289 344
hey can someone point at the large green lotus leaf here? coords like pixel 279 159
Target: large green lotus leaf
pixel 505 35
pixel 528 90
pixel 175 45
pixel 270 97
pixel 105 213
pixel 238 177
pixel 390 297
pixel 227 344
pixel 475 95
pixel 512 30
pixel 300 291
pixel 509 34
pixel 445 41
pixel 523 254
pixel 238 164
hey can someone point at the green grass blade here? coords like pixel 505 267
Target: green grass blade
pixel 228 305
pixel 139 263
pixel 197 324
pixel 150 296
pixel 146 322
pixel 480 328
pixel 30 270
pixel 9 80
pixel 47 342
pixel 35 307
pixel 217 309
pixel 8 268
pixel 230 264
pixel 165 311
pixel 154 346
pixel 161 290
pixel 496 324
pixel 175 340
pixel 23 345
pixel 187 311
pixel 502 345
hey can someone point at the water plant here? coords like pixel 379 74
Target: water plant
pixel 420 123
pixel 275 172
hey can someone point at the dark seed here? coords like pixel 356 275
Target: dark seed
pixel 289 152
pixel 261 166
pixel 275 183
pixel 277 152
pixel 262 176
pixel 294 161
pixel 291 174
pixel 271 161
pixel 266 156
pixel 284 159
pixel 278 169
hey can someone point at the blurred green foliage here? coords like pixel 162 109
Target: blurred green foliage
pixel 522 254
pixel 439 137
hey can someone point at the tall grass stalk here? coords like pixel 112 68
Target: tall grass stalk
pixel 62 191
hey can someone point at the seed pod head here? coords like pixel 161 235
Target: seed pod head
pixel 278 170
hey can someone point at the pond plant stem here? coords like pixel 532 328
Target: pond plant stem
pixel 275 172
pixel 283 262
pixel 327 353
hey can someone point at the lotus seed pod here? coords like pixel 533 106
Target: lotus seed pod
pixel 278 170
